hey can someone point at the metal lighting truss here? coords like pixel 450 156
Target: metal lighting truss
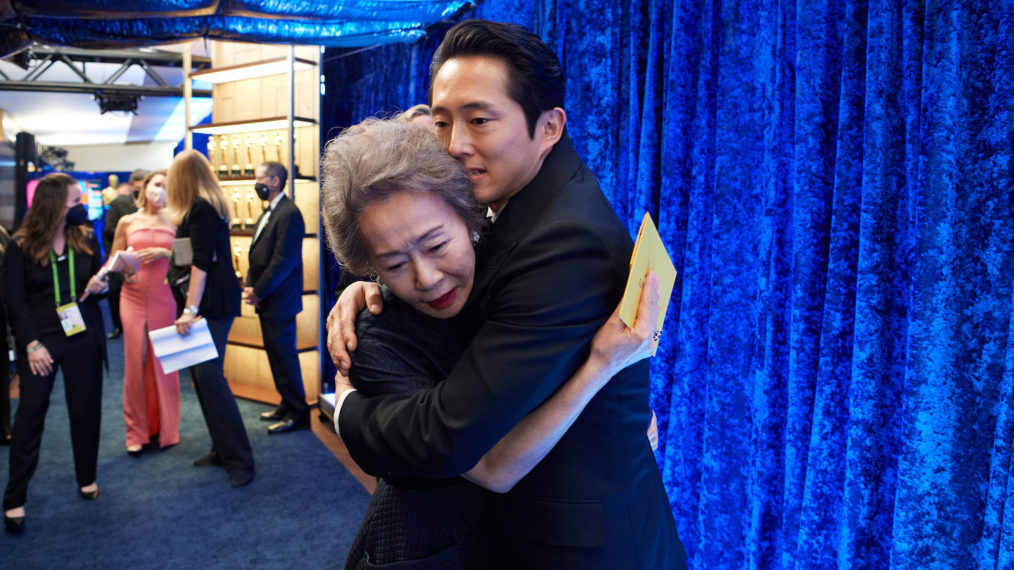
pixel 37 59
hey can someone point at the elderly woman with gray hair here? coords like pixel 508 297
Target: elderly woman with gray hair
pixel 398 208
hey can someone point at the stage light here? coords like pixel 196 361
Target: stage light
pixel 116 102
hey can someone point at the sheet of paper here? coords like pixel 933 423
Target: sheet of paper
pixel 649 253
pixel 175 351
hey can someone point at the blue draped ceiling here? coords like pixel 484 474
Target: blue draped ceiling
pixel 835 386
pixel 109 23
pixel 833 178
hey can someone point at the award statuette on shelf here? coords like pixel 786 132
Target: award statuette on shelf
pixel 250 197
pixel 249 169
pixel 236 252
pixel 264 147
pixel 236 171
pixel 278 147
pixel 212 157
pixel 235 210
pixel 223 160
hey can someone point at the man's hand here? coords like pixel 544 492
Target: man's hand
pixel 618 345
pixel 341 321
pixel 250 298
pixel 341 383
pixel 653 432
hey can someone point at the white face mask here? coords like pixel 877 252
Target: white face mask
pixel 155 196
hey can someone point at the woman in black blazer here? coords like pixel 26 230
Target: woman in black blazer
pixel 196 204
pixel 51 266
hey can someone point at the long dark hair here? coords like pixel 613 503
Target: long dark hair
pixel 44 217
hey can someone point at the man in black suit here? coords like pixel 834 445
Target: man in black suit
pixel 274 285
pixel 551 270
pixel 124 203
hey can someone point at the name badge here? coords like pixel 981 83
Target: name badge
pixel 71 319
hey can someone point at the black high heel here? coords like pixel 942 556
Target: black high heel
pixel 14 525
pixel 90 495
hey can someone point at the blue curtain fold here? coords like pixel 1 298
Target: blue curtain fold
pixel 107 24
pixel 833 179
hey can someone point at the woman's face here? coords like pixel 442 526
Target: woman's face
pixel 154 192
pixel 422 250
pixel 73 197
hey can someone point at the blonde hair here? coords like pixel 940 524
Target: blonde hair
pixel 190 176
pixel 369 162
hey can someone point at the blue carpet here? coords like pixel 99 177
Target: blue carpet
pixel 159 511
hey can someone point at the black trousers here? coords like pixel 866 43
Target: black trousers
pixel 280 346
pixel 80 361
pixel 115 286
pixel 221 414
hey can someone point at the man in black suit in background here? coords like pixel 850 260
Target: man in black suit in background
pixel 124 203
pixel 274 285
pixel 549 272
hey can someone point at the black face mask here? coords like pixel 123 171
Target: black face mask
pixel 77 216
pixel 261 190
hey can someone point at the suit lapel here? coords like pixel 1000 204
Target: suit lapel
pixel 274 217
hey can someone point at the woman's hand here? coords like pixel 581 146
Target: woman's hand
pixel 184 323
pixel 39 360
pixel 149 254
pixel 98 284
pixel 616 345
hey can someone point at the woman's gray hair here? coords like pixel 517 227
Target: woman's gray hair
pixel 369 162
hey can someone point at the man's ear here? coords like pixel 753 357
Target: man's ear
pixel 550 128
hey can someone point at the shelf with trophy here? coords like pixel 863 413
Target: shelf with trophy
pixel 246 131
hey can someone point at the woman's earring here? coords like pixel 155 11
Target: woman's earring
pixel 475 238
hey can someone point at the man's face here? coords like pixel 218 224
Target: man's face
pixel 261 175
pixel 484 128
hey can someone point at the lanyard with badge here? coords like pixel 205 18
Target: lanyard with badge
pixel 70 314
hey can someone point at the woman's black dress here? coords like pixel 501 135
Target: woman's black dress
pixel 418 523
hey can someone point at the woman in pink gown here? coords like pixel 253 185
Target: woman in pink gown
pixel 151 398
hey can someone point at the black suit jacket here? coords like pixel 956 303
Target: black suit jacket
pixel 550 273
pixel 119 207
pixel 276 262
pixel 209 239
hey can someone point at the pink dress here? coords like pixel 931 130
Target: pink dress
pixel 151 398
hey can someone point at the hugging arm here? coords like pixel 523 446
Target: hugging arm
pixel 548 301
pixel 614 347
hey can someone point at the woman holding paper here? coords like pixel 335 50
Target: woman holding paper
pixel 151 398
pixel 200 211
pixel 50 275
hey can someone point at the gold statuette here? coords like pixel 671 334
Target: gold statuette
pixel 236 253
pixel 212 157
pixel 264 147
pixel 236 171
pixel 278 147
pixel 251 198
pixel 249 169
pixel 235 208
pixel 223 160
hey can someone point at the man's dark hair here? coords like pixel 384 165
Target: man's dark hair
pixel 138 175
pixel 535 78
pixel 272 169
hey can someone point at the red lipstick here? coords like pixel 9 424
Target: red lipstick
pixel 444 301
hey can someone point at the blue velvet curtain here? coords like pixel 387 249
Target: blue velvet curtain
pixel 833 180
